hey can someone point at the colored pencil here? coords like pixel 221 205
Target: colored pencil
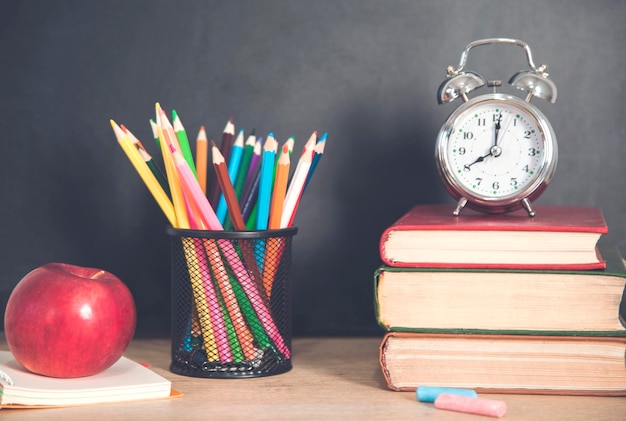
pixel 146 175
pixel 206 303
pixel 280 188
pixel 166 142
pixel 158 174
pixel 228 192
pixel 273 250
pixel 227 140
pixel 266 181
pixel 132 138
pixel 253 171
pixel 232 167
pixel 183 141
pixel 155 133
pixel 319 151
pixel 250 208
pixel 207 214
pixel 202 152
pixel 246 158
pixel 296 185
pixel 228 136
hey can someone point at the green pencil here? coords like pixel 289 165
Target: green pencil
pixel 183 141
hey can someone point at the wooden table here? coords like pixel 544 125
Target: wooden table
pixel 332 379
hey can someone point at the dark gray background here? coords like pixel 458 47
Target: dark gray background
pixel 364 71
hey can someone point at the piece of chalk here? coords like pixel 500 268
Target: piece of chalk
pixel 430 393
pixel 478 406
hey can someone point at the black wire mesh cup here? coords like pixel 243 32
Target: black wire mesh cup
pixel 231 302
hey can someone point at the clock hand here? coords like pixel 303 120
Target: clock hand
pixel 497 130
pixel 479 159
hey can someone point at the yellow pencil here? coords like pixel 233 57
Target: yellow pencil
pixel 144 172
pixel 202 153
pixel 202 304
pixel 172 175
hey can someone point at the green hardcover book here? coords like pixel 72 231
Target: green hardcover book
pixel 499 301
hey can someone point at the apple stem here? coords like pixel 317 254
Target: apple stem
pixel 97 275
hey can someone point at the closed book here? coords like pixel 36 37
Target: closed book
pixel 564 365
pixel 558 237
pixel 555 302
pixel 124 381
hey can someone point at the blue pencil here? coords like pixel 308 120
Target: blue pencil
pixel 234 161
pixel 267 179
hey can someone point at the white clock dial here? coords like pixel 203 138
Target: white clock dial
pixel 496 151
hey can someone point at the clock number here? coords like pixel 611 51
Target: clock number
pixel 527 134
pixel 481 122
pixel 525 168
pixel 462 151
pixel 468 135
pixel 513 181
pixel 533 152
pixel 495 185
pixel 478 181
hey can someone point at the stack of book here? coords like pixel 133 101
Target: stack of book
pixel 502 303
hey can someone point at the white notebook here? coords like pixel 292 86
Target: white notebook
pixel 124 381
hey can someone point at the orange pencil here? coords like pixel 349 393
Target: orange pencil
pixel 274 247
pixel 221 170
pixel 280 187
pixel 202 152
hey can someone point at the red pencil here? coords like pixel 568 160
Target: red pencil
pixel 221 170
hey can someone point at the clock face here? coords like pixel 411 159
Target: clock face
pixel 496 150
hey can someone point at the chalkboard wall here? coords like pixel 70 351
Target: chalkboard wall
pixel 365 71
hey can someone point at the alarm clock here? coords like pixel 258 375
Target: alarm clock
pixel 496 153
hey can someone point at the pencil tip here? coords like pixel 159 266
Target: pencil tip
pixel 174 115
pixel 213 145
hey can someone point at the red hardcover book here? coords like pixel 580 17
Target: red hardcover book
pixel 558 237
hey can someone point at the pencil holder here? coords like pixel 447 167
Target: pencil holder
pixel 231 302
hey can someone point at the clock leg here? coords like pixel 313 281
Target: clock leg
pixel 526 204
pixel 460 205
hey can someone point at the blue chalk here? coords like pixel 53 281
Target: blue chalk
pixel 430 393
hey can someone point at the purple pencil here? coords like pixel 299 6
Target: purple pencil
pixel 253 170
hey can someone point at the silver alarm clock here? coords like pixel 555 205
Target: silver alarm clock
pixel 496 153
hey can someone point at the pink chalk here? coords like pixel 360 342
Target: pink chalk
pixel 478 406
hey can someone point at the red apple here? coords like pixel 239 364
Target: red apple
pixel 63 320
